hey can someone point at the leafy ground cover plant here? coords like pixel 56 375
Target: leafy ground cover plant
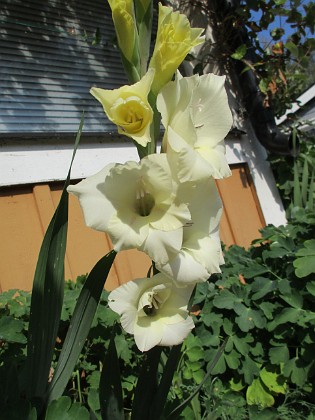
pixel 262 305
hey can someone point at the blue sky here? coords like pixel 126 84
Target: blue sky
pixel 280 22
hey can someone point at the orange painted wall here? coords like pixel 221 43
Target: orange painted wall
pixel 26 211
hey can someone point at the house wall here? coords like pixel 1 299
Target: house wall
pixel 25 212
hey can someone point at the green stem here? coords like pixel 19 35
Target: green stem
pixel 79 386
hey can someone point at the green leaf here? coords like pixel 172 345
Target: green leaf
pixel 94 402
pixel 236 385
pixel 240 344
pixel 267 309
pixel 262 286
pixel 248 318
pixel 277 33
pixel 304 182
pixel 286 315
pixel 80 325
pixel 225 300
pixel 305 264
pixel 257 394
pixel 239 52
pixel 147 385
pixel 297 371
pixel 232 359
pixel 279 355
pixel 274 381
pixel 293 48
pixel 310 286
pixel 110 394
pixel 165 383
pixel 249 369
pixel 254 270
pixel 178 410
pixel 47 295
pixel 123 350
pixel 294 299
pixel 62 409
pixel 10 330
pixel 195 353
pixel 94 379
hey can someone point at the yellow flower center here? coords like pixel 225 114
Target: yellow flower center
pixel 130 114
pixel 153 300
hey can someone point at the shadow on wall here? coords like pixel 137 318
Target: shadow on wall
pixel 48 64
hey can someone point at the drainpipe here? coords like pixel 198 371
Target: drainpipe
pixel 263 119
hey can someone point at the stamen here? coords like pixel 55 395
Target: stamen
pixel 144 202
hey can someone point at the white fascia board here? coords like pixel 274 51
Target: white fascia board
pixel 303 99
pixel 22 164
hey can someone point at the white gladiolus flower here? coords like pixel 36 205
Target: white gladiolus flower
pixel 201 253
pixel 154 310
pixel 128 107
pixel 138 205
pixel 196 117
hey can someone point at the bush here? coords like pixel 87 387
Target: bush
pixel 262 305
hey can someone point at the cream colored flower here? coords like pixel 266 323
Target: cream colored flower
pixel 125 26
pixel 196 117
pixel 174 39
pixel 154 310
pixel 138 205
pixel 201 253
pixel 129 109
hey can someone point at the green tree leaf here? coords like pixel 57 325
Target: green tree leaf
pixel 239 52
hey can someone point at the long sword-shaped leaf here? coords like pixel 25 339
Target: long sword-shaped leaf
pixel 159 401
pixel 176 412
pixel 80 325
pixel 146 385
pixel 297 196
pixel 47 295
pixel 310 200
pixel 305 183
pixel 110 394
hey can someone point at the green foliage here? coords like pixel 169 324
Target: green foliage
pixel 295 177
pixel 267 317
pixel 64 409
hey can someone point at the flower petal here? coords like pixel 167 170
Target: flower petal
pixel 184 269
pixel 127 230
pixel 162 246
pixel 96 208
pixel 174 39
pixel 176 333
pixel 128 107
pixel 148 333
